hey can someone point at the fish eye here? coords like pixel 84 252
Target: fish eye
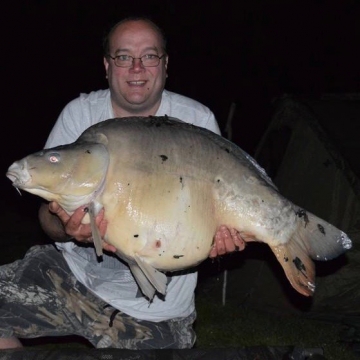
pixel 54 157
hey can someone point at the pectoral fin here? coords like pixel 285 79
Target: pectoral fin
pixel 95 231
pixel 145 285
pixel 156 279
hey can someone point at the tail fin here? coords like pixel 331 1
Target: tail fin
pixel 314 239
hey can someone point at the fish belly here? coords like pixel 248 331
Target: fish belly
pixel 168 220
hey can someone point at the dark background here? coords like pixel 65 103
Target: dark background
pixel 221 52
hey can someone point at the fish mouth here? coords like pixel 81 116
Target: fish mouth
pixel 16 182
pixel 18 175
pixel 12 177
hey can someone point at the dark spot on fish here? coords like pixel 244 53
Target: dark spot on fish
pixel 159 120
pixel 155 121
pixel 302 213
pixel 158 243
pixel 128 184
pixel 321 228
pixel 218 180
pixel 163 157
pixel 182 182
pixel 178 256
pixel 88 151
pixel 286 259
pixel 227 150
pixel 136 235
pixel 299 265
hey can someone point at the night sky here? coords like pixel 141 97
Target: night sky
pixel 243 52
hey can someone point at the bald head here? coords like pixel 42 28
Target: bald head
pixel 122 24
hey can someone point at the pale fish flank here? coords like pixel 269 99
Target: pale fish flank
pixel 166 187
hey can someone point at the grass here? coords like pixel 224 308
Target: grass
pixel 237 326
pixel 231 326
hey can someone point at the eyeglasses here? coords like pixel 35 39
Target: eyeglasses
pixel 148 60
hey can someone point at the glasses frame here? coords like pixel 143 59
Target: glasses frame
pixel 136 58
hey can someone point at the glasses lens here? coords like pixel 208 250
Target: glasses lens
pixel 123 61
pixel 150 60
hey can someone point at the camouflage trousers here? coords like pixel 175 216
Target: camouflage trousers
pixel 39 296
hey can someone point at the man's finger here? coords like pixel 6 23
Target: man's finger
pixel 56 209
pixel 228 240
pixel 109 247
pixel 219 244
pixel 75 220
pixel 238 241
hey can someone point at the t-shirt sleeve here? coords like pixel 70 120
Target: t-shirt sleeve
pixel 211 124
pixel 67 127
pixel 188 110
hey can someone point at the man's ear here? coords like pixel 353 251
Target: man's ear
pixel 106 65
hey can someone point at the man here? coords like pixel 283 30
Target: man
pixel 66 290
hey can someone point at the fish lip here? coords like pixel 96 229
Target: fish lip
pixel 16 182
pixel 15 179
pixel 19 175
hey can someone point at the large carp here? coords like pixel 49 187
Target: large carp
pixel 166 187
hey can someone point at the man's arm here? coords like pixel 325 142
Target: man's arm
pixel 52 225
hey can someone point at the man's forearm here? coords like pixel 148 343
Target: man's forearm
pixel 52 225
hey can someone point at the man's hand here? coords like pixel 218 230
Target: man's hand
pixel 226 240
pixel 76 229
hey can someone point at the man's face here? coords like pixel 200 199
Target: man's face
pixel 136 89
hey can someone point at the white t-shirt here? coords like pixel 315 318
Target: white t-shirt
pixel 111 279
